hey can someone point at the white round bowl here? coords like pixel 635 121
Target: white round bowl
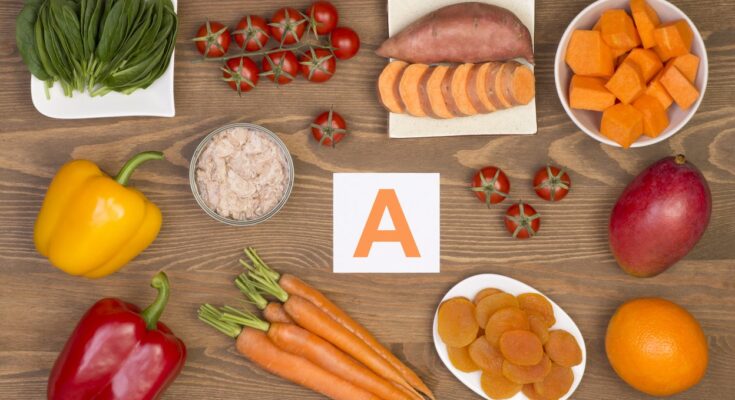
pixel 589 121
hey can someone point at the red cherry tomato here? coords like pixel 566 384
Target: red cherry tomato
pixel 329 128
pixel 522 221
pixel 280 67
pixel 241 74
pixel 252 32
pixel 552 183
pixel 323 17
pixel 318 65
pixel 345 41
pixel 213 39
pixel 490 185
pixel 288 25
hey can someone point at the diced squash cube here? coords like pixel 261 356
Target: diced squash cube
pixel 673 39
pixel 618 30
pixel 647 61
pixel 646 20
pixel 681 90
pixel 618 52
pixel 587 54
pixel 589 93
pixel 656 89
pixel 655 119
pixel 622 123
pixel 627 82
pixel 621 59
pixel 688 64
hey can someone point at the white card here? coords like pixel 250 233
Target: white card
pixel 386 223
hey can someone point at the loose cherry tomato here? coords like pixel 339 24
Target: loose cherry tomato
pixel 213 39
pixel 323 17
pixel 490 185
pixel 241 74
pixel 280 67
pixel 329 128
pixel 345 41
pixel 288 25
pixel 522 221
pixel 552 183
pixel 318 65
pixel 252 32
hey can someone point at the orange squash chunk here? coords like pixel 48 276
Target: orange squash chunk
pixel 498 387
pixel 457 324
pixel 618 30
pixel 460 358
pixel 521 347
pixel 485 293
pixel 622 123
pixel 525 375
pixel 646 20
pixel 563 348
pixel 505 319
pixel 656 89
pixel 655 118
pixel 673 39
pixel 557 383
pixel 490 304
pixel 537 304
pixel 587 54
pixel 627 82
pixel 647 61
pixel 688 64
pixel 678 86
pixel 538 326
pixel 589 93
pixel 486 356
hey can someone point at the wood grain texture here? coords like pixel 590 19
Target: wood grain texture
pixel 569 261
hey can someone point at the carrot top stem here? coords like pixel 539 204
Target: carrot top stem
pixel 243 318
pixel 254 296
pixel 265 284
pixel 259 266
pixel 214 318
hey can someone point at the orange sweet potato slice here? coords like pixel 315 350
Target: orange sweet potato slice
pixel 537 304
pixel 457 324
pixel 646 20
pixel 502 80
pixel 424 93
pixel 622 123
pixel 678 86
pixel 482 86
pixel 486 356
pixel 539 327
pixel 522 86
pixel 460 358
pixel 657 90
pixel 627 83
pixel 673 39
pixel 433 92
pixel 409 86
pixel 490 304
pixel 557 383
pixel 588 55
pixel 521 347
pixel 589 93
pixel 446 89
pixel 503 320
pixel 472 89
pixel 688 64
pixel 485 293
pixel 618 30
pixel 655 118
pixel 563 348
pixel 525 375
pixel 388 87
pixel 492 73
pixel 460 89
pixel 498 387
pixel 647 61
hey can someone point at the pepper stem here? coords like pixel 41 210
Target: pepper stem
pixel 126 171
pixel 153 312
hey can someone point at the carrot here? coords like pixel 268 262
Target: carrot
pixel 255 345
pixel 388 87
pixel 274 312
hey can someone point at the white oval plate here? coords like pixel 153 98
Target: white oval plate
pixel 469 288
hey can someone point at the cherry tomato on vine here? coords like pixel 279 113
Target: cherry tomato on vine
pixel 345 41
pixel 241 74
pixel 288 25
pixel 490 185
pixel 252 32
pixel 323 17
pixel 318 65
pixel 552 183
pixel 280 67
pixel 329 128
pixel 522 221
pixel 213 39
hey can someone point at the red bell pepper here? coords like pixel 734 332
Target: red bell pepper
pixel 119 352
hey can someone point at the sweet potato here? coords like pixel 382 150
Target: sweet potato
pixel 522 85
pixel 460 86
pixel 646 20
pixel 446 88
pixel 492 76
pixel 678 86
pixel 673 39
pixel 587 54
pixel 618 30
pixel 424 95
pixel 687 64
pixel 408 88
pixel 463 33
pixel 432 99
pixel 655 118
pixel 474 92
pixel 622 123
pixel 589 93
pixel 656 89
pixel 502 78
pixel 647 61
pixel 388 87
pixel 627 83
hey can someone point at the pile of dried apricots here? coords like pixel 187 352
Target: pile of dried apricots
pixel 509 339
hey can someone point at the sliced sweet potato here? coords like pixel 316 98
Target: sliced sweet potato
pixel 424 93
pixel 647 61
pixel 646 20
pixel 587 54
pixel 627 83
pixel 557 383
pixel 534 303
pixel 521 347
pixel 673 39
pixel 434 96
pixel 472 89
pixel 522 85
pixel 388 87
pixel 486 356
pixel 457 324
pixel 502 83
pixel 618 30
pixel 524 375
pixel 460 358
pixel 490 85
pixel 490 304
pixel 503 320
pixel 409 89
pixel 538 326
pixel 657 90
pixel 589 93
pixel 485 293
pixel 679 87
pixel 460 86
pixel 498 387
pixel 622 123
pixel 563 348
pixel 482 85
pixel 655 118
pixel 687 64
pixel 446 89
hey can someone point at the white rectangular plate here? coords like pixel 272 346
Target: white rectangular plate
pixel 519 120
pixel 157 100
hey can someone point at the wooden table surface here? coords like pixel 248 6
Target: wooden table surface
pixel 569 261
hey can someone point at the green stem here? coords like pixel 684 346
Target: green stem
pixel 243 318
pixel 261 267
pixel 265 52
pixel 247 288
pixel 153 312
pixel 265 285
pixel 123 176
pixel 213 317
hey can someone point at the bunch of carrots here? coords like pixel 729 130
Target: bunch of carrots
pixel 308 340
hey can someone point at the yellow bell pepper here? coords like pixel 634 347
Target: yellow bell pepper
pixel 91 224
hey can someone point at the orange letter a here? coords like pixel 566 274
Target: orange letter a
pixel 387 199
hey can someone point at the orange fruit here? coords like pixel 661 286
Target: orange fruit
pixel 656 346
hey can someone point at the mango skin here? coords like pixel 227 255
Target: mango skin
pixel 659 217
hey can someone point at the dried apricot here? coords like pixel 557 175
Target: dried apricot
pixel 490 304
pixel 498 387
pixel 457 324
pixel 524 375
pixel 532 394
pixel 505 319
pixel 486 356
pixel 563 348
pixel 460 358
pixel 538 326
pixel 485 293
pixel 521 347
pixel 557 383
pixel 538 304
